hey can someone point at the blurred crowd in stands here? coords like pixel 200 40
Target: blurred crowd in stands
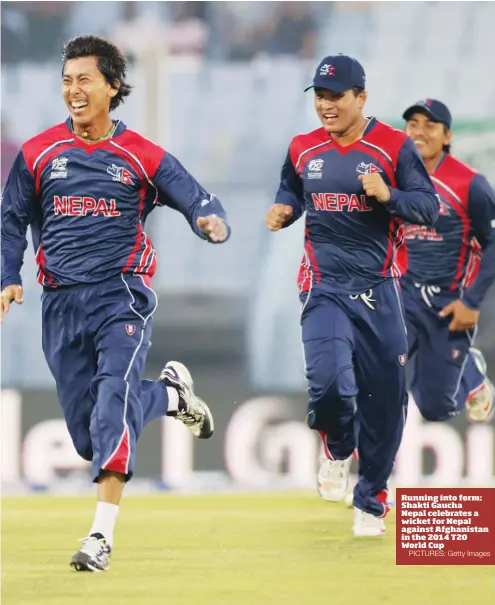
pixel 239 31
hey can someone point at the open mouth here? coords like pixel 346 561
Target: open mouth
pixel 420 143
pixel 330 118
pixel 78 106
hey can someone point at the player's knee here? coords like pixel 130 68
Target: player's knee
pixel 111 384
pixel 83 446
pixel 330 400
pixel 336 389
pixel 435 407
pixel 80 434
pixel 436 415
pixel 113 392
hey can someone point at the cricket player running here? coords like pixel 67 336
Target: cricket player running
pixel 86 187
pixel 451 267
pixel 357 178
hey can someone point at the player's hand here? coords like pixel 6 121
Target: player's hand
pixel 214 227
pixel 277 216
pixel 375 186
pixel 8 295
pixel 463 318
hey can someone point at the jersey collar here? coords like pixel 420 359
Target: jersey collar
pixel 121 127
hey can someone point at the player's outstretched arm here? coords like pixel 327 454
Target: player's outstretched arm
pixel 415 198
pixel 289 202
pixel 481 209
pixel 17 207
pixel 203 211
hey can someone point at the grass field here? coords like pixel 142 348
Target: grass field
pixel 290 548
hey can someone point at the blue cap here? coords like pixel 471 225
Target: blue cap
pixel 435 110
pixel 338 73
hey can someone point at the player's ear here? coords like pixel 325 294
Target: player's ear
pixel 115 87
pixel 447 136
pixel 362 98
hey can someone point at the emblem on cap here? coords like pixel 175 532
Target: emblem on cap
pixel 327 70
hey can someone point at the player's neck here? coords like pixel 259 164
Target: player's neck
pixel 431 164
pixel 97 130
pixel 352 134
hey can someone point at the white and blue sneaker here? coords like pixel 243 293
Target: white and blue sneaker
pixel 193 411
pixel 481 402
pixel 94 554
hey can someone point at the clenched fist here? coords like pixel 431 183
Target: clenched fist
pixel 277 216
pixel 214 227
pixel 10 294
pixel 375 186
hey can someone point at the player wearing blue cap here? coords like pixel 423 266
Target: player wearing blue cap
pixel 451 267
pixel 357 179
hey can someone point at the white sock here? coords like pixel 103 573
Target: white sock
pixel 105 518
pixel 173 399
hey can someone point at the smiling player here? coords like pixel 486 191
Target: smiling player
pixel 356 178
pixel 86 187
pixel 451 268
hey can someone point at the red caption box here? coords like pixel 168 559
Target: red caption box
pixel 445 526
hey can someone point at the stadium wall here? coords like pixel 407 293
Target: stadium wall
pixel 261 443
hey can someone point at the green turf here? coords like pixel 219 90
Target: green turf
pixel 292 549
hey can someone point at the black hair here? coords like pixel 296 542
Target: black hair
pixel 355 89
pixel 110 61
pixel 446 148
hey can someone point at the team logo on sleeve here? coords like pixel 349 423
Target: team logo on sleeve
pixel 59 168
pixel 402 359
pixel 363 168
pixel 120 174
pixel 315 168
